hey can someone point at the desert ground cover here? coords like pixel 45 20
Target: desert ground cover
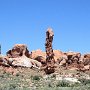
pixel 18 78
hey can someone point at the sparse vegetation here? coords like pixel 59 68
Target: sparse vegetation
pixel 36 77
pixel 28 79
pixel 84 81
pixel 63 84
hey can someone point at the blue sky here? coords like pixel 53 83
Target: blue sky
pixel 26 21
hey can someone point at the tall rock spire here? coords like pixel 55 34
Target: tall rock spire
pixel 49 52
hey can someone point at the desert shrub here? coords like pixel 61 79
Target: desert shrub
pixel 12 86
pixel 17 74
pixel 2 76
pixel 36 77
pixel 49 85
pixel 62 84
pixel 7 74
pixel 84 81
pixel 53 76
pixel 75 84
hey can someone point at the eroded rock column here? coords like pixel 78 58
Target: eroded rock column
pixel 49 52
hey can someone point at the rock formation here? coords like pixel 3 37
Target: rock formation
pixel 73 57
pixel 19 56
pixel 24 61
pixel 86 59
pixel 4 61
pixel 18 50
pixel 37 53
pixel 49 52
pixel 58 55
pixel 40 56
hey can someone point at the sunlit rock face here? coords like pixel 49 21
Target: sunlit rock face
pixel 86 59
pixel 18 50
pixel 19 56
pixel 24 61
pixel 38 52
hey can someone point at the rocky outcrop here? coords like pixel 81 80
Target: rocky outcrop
pixel 40 56
pixel 85 62
pixel 57 55
pixel 86 59
pixel 19 56
pixel 62 61
pixel 24 61
pixel 4 61
pixel 41 59
pixel 37 53
pixel 17 51
pixel 73 57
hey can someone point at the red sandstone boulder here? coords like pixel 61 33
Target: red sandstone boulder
pixel 24 61
pixel 57 55
pixel 17 51
pixel 37 53
pixel 40 56
pixel 86 59
pixel 73 57
pixel 4 61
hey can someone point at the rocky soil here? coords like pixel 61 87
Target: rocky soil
pixel 19 78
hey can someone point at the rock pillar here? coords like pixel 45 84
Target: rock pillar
pixel 49 52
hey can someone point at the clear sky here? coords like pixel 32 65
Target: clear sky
pixel 26 21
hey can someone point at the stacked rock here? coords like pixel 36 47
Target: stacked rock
pixel 49 52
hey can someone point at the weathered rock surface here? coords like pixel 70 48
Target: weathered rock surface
pixel 73 58
pixel 41 59
pixel 86 59
pixel 19 56
pixel 50 61
pixel 18 50
pixel 57 55
pixel 39 55
pixel 24 61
